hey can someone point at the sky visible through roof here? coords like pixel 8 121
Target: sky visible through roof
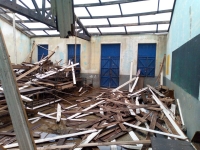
pixel 144 16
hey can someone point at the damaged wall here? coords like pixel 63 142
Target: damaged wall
pixel 22 43
pixel 185 29
pixel 91 52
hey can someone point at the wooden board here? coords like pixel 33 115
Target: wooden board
pixel 28 72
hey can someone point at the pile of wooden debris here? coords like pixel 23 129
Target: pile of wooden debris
pixel 40 85
pixel 105 118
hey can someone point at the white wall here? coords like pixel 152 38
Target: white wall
pixel 22 43
pixel 128 52
pixel 61 52
pixel 91 51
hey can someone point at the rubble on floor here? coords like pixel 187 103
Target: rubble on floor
pixel 110 117
pixel 65 113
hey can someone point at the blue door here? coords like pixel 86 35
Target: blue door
pixel 71 53
pixel 146 59
pixel 42 51
pixel 110 60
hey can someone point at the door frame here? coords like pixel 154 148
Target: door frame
pixel 119 58
pixel 41 47
pixel 155 56
pixel 80 51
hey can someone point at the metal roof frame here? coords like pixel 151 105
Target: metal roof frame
pixel 44 15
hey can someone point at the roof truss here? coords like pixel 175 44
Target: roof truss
pixel 43 14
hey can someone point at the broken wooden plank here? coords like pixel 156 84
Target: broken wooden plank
pixel 133 106
pixel 24 98
pixel 89 138
pixel 121 86
pixel 58 113
pixel 170 126
pixel 159 126
pixel 153 120
pixel 154 131
pixel 95 144
pixel 133 87
pixel 73 74
pixel 123 128
pixel 3 108
pixel 173 110
pixel 131 110
pixel 113 147
pixel 28 72
pixel 134 138
pixel 180 112
pixel 34 108
pixel 83 115
pixel 20 67
pixel 50 117
pixel 161 69
pixel 54 138
pixel 80 89
pixel 107 132
pixel 167 112
pixel 156 91
pixel 137 92
pixel 137 103
pixel 86 109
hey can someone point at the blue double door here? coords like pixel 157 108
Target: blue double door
pixel 146 59
pixel 110 62
pixel 42 51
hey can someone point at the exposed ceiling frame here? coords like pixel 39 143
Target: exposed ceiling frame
pixel 80 35
pixel 118 33
pixel 105 26
pixel 131 33
pixel 82 26
pixel 37 16
pixel 39 13
pixel 26 12
pixel 102 3
pixel 128 24
pixel 128 15
pixel 107 3
pixel 10 22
